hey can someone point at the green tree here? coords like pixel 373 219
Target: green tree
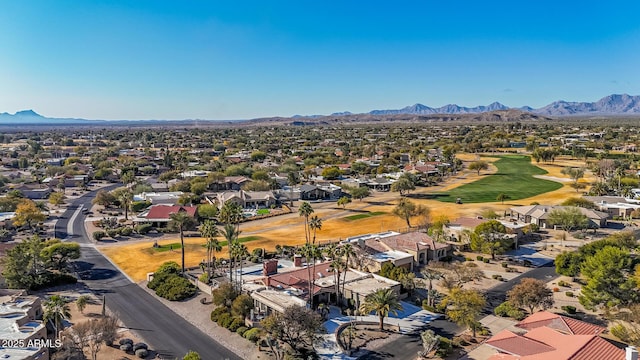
pixel 568 219
pixel 407 209
pixel 207 211
pixel 568 263
pixel 490 238
pixel 81 302
pixel 343 201
pixel 56 310
pixel 27 213
pixel 478 166
pixel 331 173
pixel 403 185
pixel 502 197
pixel 242 305
pixel 125 198
pixel 181 221
pixel 381 302
pixel 464 307
pixel 56 198
pixel 230 233
pixel 531 293
pixel 609 281
pixel 104 198
pixel 429 275
pixel 57 254
pixel 360 193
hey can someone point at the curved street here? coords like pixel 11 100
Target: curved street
pixel 168 334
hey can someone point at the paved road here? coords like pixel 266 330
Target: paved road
pixel 406 347
pixel 166 332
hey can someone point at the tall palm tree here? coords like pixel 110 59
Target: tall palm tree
pixel 337 266
pixel 56 310
pixel 307 252
pixel 306 210
pixel 181 220
pixel 211 232
pixel 382 302
pixel 315 224
pixel 239 251
pixel 230 234
pixel 125 197
pixel 231 213
pixel 316 253
pixel 292 180
pixel 347 251
pixel 430 275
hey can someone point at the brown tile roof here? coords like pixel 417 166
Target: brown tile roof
pixel 468 222
pixel 411 241
pixel 162 211
pixel 512 343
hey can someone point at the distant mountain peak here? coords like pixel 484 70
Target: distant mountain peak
pixel 27 113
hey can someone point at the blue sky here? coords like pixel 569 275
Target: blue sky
pixel 245 59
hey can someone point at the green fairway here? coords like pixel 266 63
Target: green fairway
pixel 513 178
pixel 363 216
pixel 177 246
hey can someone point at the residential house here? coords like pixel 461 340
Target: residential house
pixel 545 335
pixel 155 198
pixel 320 192
pixel 33 191
pixel 406 250
pixel 247 199
pixel 229 183
pixel 614 205
pixel 539 214
pixel 20 316
pixel 160 215
pixel 457 231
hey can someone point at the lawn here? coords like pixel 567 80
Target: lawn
pixel 177 246
pixel 363 215
pixel 514 177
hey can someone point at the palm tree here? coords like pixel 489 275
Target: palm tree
pixel 231 213
pixel 307 252
pixel 211 232
pixel 239 252
pixel 125 197
pixel 292 179
pixel 430 275
pixel 382 302
pixel 306 210
pixel 56 310
pixel 230 234
pixel 181 220
pixel 315 224
pixel 316 253
pixel 337 266
pixel 347 251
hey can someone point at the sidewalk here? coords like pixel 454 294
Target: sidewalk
pixel 410 320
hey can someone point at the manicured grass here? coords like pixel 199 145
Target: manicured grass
pixel 363 216
pixel 241 240
pixel 513 178
pixel 262 211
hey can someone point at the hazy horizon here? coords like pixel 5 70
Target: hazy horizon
pixel 202 60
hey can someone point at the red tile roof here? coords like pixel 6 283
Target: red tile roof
pixel 546 343
pixel 299 278
pixel 162 211
pixel 560 323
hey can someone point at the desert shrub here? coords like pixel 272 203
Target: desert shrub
pixel 140 345
pixel 142 229
pixel 125 341
pixel 99 235
pixel 468 259
pixel 241 330
pixel 113 233
pixel 505 265
pixel 126 347
pixel 484 331
pixel 217 312
pixel 445 347
pixel 252 334
pixel 569 309
pixel 555 289
pixel 486 261
pixel 142 353
pixel 621 332
pixel 176 288
pixel 569 293
pixel 126 231
pixel 138 206
pixel 506 309
pixel 225 319
pixel 471 265
pixel 480 258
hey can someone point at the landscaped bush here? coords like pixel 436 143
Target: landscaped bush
pixel 471 264
pixel 563 283
pixel 252 334
pixel 225 320
pixel 621 332
pixel 113 233
pixel 569 293
pixel 126 231
pixel 99 235
pixel 204 278
pixel 217 312
pixel 569 309
pixel 126 347
pixel 497 277
pixel 486 261
pixel 169 284
pixel 480 257
pixel 555 289
pixel 445 347
pixel 506 309
pixel 236 323
pixel 143 229
pixel 468 259
pixel 125 341
pixel 138 206
pixel 140 345
pixel 142 353
pixel 505 265
pixel 241 330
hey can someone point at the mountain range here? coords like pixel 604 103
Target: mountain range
pixel 613 105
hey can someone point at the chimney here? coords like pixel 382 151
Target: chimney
pixel 631 353
pixel 297 260
pixel 270 267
